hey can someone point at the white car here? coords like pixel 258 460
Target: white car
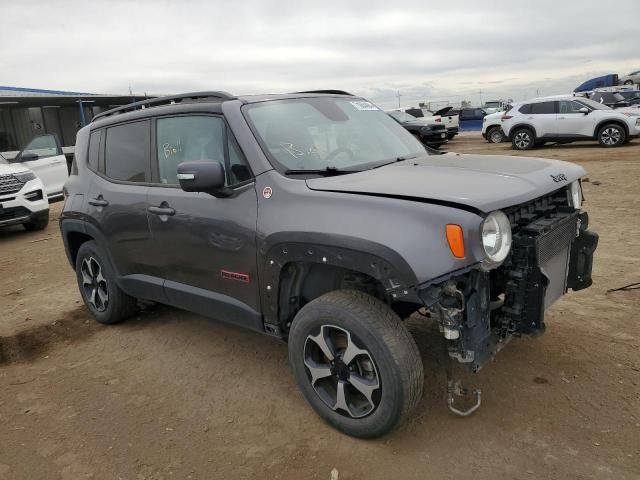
pixel 451 121
pixel 23 199
pixel 492 128
pixel 632 78
pixel 43 156
pixel 565 119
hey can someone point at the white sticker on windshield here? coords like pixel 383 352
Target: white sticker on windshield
pixel 363 105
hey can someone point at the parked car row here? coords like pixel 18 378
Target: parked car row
pixel 429 130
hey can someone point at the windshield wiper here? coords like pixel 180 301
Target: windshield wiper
pixel 321 171
pixel 397 159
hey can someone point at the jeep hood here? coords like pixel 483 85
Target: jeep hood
pixel 479 182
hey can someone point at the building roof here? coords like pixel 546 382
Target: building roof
pixel 37 97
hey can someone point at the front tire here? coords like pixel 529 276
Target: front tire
pixel 611 135
pixel 629 82
pixel 522 139
pixel 96 281
pixel 355 362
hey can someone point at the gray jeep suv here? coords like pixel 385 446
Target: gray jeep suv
pixel 316 218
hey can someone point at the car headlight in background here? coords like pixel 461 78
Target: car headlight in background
pixel 24 177
pixel 496 238
pixel 575 195
pixel 425 129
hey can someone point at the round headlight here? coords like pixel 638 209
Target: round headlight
pixel 496 237
pixel 575 195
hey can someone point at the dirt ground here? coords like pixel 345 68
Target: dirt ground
pixel 173 395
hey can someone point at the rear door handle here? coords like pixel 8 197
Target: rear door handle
pixel 98 202
pixel 162 211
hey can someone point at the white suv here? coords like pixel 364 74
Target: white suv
pixel 564 119
pixel 23 199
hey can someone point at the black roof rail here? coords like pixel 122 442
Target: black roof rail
pixel 168 100
pixel 330 92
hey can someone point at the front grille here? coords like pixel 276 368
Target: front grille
pixel 545 206
pixel 9 184
pixel 534 274
pixel 13 212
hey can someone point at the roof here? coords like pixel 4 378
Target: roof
pixel 567 96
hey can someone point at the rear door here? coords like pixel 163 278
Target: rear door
pixel 543 118
pixel 203 246
pixel 43 155
pixel 116 199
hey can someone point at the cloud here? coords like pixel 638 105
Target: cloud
pixel 426 50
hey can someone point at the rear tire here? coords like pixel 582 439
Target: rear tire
pixel 495 135
pixel 96 281
pixel 611 135
pixel 522 139
pixel 629 82
pixel 372 352
pixel 39 223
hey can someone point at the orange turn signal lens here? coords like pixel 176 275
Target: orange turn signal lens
pixel 455 239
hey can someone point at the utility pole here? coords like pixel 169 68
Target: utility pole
pixel 481 97
pixel 398 98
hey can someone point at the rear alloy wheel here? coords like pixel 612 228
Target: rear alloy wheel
pixel 495 135
pixel 522 139
pixel 98 288
pixel 355 362
pixel 611 135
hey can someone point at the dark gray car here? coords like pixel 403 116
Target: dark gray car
pixel 316 218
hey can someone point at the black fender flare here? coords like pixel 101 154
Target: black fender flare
pixel 601 124
pixel 523 125
pixel 376 260
pixel 73 225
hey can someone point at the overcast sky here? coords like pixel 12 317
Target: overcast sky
pixel 439 51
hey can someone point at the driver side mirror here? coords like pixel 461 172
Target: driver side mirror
pixel 26 157
pixel 584 110
pixel 203 176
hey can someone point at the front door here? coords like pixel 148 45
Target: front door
pixel 204 247
pixel 43 155
pixel 571 121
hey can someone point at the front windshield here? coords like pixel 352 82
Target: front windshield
pixel 3 160
pixel 324 132
pixel 630 95
pixel 593 104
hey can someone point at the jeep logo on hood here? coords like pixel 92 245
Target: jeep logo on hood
pixel 561 177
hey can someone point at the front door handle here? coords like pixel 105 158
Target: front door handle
pixel 98 202
pixel 166 210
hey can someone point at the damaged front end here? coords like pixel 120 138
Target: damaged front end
pixel 480 311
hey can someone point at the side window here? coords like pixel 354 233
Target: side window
pixel 569 106
pixel 127 152
pixel 94 150
pixel 466 114
pixel 542 108
pixel 197 137
pixel 41 147
pixel 479 114
pixel 525 109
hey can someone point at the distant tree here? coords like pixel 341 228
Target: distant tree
pixel 465 104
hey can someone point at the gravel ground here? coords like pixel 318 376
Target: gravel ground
pixel 170 394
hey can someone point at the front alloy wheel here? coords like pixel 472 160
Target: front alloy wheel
pixel 342 374
pixel 611 136
pixel 355 362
